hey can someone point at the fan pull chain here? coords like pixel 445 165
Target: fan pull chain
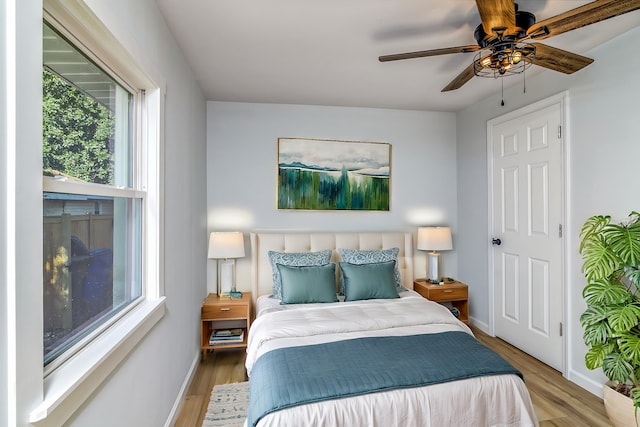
pixel 524 79
pixel 502 92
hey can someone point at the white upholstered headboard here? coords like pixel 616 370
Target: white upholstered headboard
pixel 263 242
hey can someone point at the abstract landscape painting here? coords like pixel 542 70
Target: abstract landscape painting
pixel 316 174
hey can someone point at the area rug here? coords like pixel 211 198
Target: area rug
pixel 228 405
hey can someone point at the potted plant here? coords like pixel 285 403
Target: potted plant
pixel 611 322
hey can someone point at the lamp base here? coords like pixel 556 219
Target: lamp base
pixel 226 277
pixel 434 262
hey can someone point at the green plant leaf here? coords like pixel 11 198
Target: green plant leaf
pixel 594 358
pixel 605 292
pixel 592 315
pixel 597 334
pixel 599 260
pixel 630 346
pixel 633 274
pixel 616 368
pixel 624 240
pixel 591 228
pixel 635 395
pixel 623 318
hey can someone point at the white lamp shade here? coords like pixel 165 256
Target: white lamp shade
pixel 434 239
pixel 226 244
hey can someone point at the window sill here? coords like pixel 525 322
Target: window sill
pixel 70 385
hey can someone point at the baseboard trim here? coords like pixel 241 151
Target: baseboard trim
pixel 592 386
pixel 480 325
pixel 173 414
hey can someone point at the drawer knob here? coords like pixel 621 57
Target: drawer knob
pixel 225 309
pixel 448 291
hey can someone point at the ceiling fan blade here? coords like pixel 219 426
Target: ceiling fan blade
pixel 588 14
pixel 432 52
pixel 558 59
pixel 496 14
pixel 466 75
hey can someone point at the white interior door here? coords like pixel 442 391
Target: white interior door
pixel 528 184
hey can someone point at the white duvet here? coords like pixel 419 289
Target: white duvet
pixel 485 401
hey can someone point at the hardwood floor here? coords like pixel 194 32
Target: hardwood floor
pixel 220 367
pixel 558 402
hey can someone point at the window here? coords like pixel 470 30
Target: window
pixel 102 197
pixel 92 201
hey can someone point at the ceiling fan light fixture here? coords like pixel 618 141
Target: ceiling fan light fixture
pixel 516 57
pixel 505 60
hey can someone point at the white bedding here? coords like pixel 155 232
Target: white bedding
pixel 485 401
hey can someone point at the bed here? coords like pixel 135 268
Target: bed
pixel 363 360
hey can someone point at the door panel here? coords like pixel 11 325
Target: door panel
pixel 527 211
pixel 539 291
pixel 539 194
pixel 510 179
pixel 511 305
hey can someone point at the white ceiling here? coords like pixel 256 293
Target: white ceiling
pixel 325 52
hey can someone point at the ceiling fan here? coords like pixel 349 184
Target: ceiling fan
pixel 505 39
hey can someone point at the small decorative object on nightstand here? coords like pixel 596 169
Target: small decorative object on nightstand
pixel 223 316
pixel 456 293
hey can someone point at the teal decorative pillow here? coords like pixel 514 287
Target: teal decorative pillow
pixel 356 256
pixel 368 281
pixel 302 285
pixel 295 259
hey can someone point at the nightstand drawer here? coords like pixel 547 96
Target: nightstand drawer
pixel 451 293
pixel 222 311
pixel 447 294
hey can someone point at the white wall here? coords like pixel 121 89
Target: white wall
pixel 603 149
pixel 143 389
pixel 4 316
pixel 242 170
pixel 152 376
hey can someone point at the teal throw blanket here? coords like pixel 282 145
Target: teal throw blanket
pixel 292 376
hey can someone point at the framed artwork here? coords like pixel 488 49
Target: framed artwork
pixel 318 174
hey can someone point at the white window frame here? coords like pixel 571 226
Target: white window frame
pixel 67 385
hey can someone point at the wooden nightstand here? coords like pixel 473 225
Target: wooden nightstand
pixel 224 313
pixel 457 293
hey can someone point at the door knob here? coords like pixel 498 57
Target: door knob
pixel 496 242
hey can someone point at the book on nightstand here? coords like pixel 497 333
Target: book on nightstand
pixel 226 336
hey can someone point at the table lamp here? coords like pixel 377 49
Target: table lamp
pixel 434 239
pixel 226 246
